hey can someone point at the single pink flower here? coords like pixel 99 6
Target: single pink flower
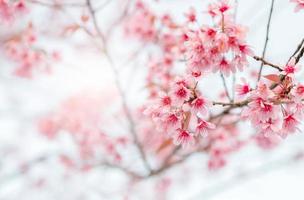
pixel 184 138
pixel 180 93
pixel 291 67
pixel 290 123
pixel 242 89
pixel 191 15
pixel 200 105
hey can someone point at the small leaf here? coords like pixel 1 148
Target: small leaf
pixel 273 77
pixel 84 18
pixel 70 29
pixel 165 144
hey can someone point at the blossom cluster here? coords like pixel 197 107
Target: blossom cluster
pixel 140 24
pixel 220 47
pixel 198 94
pixel 80 117
pixel 277 110
pixel 10 9
pixel 23 50
pixel 178 111
pixel 182 112
pixel 178 106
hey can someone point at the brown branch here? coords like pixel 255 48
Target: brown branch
pixel 120 90
pixel 226 87
pixel 232 104
pixel 26 167
pixel 300 55
pixel 296 51
pixel 121 17
pixel 297 59
pixel 264 62
pixel 245 103
pixel 169 165
pixel 266 39
pixel 123 169
pixel 95 23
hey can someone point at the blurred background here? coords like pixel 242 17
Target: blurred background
pixel 30 163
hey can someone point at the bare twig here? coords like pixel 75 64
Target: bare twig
pixel 226 87
pixel 296 51
pixel 232 104
pixel 266 39
pixel 300 55
pixel 120 90
pixel 26 167
pixel 123 169
pixel 297 59
pixel 264 62
pixel 121 17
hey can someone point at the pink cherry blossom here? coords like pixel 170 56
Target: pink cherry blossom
pixel 191 15
pixel 269 142
pixel 171 122
pixel 141 23
pixel 290 124
pixel 291 67
pixel 242 89
pixel 183 138
pixel 200 104
pixel 180 93
pixel 203 127
pixel 184 64
pixel 270 126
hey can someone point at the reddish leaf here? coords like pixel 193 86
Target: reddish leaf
pixel 165 144
pixel 273 77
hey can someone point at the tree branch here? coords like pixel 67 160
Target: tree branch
pixel 266 39
pixel 296 51
pixel 226 87
pixel 264 62
pixel 120 90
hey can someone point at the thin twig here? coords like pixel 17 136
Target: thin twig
pixel 236 5
pixel 233 86
pixel 123 169
pixel 266 39
pixel 300 55
pixel 120 90
pixel 26 167
pixel 297 59
pixel 121 17
pixel 232 104
pixel 226 88
pixel 264 62
pixel 296 51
